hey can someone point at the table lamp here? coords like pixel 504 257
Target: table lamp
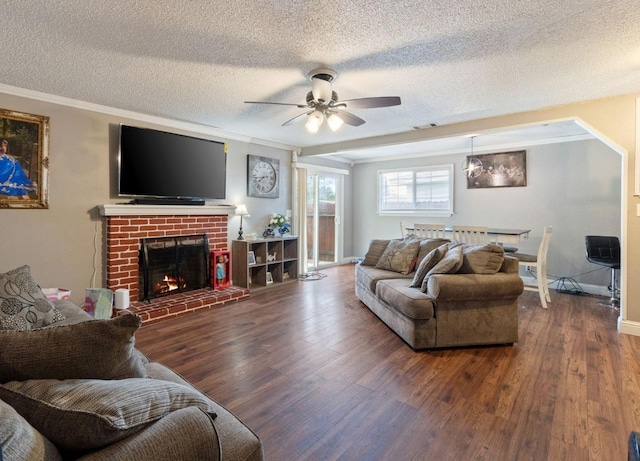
pixel 241 210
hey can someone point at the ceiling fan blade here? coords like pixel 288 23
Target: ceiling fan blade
pixel 296 119
pixel 321 90
pixel 302 106
pixel 349 119
pixel 372 103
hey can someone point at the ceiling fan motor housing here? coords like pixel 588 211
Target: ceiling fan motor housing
pixel 312 103
pixel 328 75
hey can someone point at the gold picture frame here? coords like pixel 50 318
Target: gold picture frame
pixel 24 160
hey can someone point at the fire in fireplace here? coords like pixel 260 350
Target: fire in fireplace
pixel 173 264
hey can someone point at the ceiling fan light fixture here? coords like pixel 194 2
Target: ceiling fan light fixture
pixel 334 121
pixel 314 121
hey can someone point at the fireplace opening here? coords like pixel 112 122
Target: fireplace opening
pixel 171 265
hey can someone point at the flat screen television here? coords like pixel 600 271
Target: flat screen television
pixel 157 167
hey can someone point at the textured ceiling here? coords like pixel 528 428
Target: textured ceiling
pixel 198 61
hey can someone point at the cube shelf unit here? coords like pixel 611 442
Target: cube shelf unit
pixel 277 257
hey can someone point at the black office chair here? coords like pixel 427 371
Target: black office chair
pixel 605 251
pixel 633 451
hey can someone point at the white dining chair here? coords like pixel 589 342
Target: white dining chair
pixel 431 231
pixel 471 234
pixel 539 263
pixel 404 225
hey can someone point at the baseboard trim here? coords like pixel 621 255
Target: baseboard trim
pixel 597 290
pixel 629 327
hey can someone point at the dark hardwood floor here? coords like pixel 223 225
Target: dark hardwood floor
pixel 318 377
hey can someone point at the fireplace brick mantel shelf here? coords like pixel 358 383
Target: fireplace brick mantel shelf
pixel 127 224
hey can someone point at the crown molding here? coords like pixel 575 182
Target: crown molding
pixel 177 124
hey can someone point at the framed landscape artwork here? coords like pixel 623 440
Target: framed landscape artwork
pixel 24 160
pixel 505 169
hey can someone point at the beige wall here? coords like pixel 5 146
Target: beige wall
pixel 64 244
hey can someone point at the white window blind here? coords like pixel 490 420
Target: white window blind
pixel 425 191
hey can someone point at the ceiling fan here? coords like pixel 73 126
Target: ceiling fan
pixel 324 104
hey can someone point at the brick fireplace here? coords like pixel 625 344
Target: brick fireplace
pixel 128 224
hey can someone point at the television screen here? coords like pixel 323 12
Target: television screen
pixel 157 164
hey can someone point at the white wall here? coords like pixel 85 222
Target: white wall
pixel 575 187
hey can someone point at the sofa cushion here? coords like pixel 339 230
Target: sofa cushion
pixel 400 256
pixel 369 276
pixel 100 349
pixel 19 440
pixel 237 441
pixel 481 259
pixel 72 312
pixel 193 436
pixel 410 301
pixel 79 414
pixel 376 248
pixel 23 305
pixel 427 263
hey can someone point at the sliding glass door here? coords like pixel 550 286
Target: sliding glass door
pixel 322 220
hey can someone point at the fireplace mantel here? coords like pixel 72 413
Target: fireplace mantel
pixel 117 209
pixel 125 227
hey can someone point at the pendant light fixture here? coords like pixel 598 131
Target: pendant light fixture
pixel 473 164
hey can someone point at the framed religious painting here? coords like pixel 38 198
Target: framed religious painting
pixel 24 160
pixel 504 169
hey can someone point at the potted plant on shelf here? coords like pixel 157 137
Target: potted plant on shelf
pixel 278 226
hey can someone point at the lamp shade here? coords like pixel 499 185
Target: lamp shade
pixel 241 210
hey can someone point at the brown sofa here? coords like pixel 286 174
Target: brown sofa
pixel 78 389
pixel 441 294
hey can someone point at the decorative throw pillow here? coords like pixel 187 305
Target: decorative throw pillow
pixel 376 248
pixel 20 440
pixel 481 259
pixel 400 256
pixel 99 349
pixel 427 263
pixel 82 414
pixel 23 305
pixel 449 264
pixel 427 245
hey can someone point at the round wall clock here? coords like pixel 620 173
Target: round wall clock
pixel 263 176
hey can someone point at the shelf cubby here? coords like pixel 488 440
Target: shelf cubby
pixel 276 256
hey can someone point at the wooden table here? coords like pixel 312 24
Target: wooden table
pixel 507 235
pixel 497 234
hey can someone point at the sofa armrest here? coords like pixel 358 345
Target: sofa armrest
pixel 188 433
pixel 459 287
pixel 510 265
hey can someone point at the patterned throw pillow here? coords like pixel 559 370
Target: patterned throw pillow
pixel 400 256
pixel 23 305
pixel 82 414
